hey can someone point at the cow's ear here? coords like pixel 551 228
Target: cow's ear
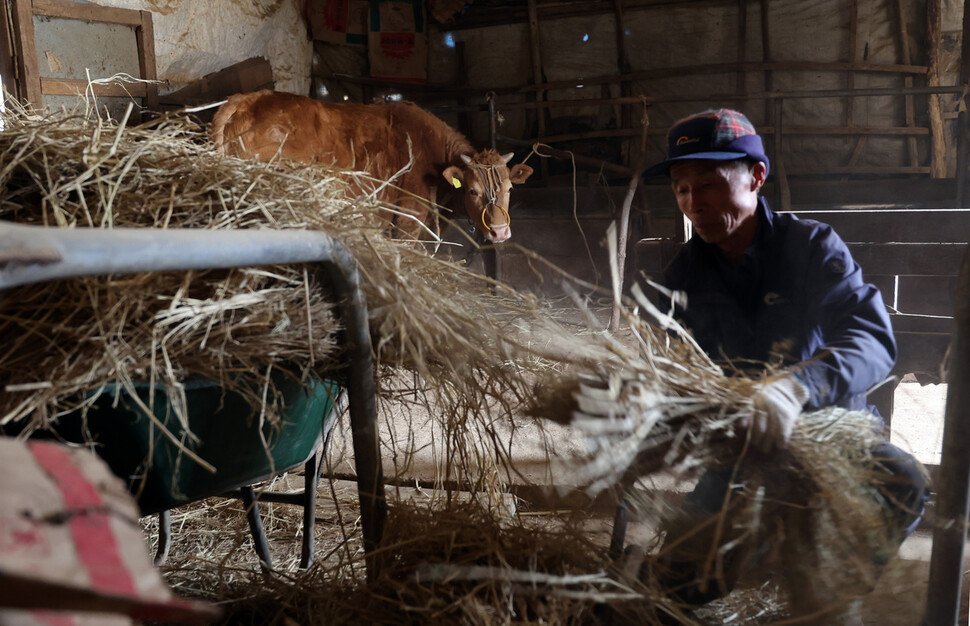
pixel 454 177
pixel 519 173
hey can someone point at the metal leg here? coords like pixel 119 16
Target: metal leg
pixel 619 529
pixel 492 262
pixel 248 496
pixel 164 537
pixel 361 392
pixel 310 477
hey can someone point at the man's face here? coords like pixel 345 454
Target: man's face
pixel 718 197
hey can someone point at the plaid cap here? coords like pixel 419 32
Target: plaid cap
pixel 717 135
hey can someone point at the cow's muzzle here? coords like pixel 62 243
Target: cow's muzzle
pixel 497 233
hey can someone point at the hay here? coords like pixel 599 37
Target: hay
pixel 78 170
pixel 477 361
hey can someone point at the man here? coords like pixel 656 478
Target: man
pixel 767 288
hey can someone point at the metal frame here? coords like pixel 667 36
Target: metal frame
pixel 30 254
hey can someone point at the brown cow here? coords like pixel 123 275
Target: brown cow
pixel 379 139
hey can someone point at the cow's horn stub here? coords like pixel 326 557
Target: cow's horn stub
pixel 467 159
pixel 507 157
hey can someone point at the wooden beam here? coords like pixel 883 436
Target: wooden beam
pixel 27 63
pixel 764 132
pixel 923 324
pixel 849 110
pixel 77 87
pixel 537 76
pixel 449 92
pixel 910 259
pixel 901 225
pixel 860 142
pixel 766 52
pixel 86 12
pixel 865 169
pixel 626 87
pixel 481 15
pixel 927 295
pixel 783 196
pixel 910 110
pixel 740 84
pixel 923 193
pixel 934 39
pixel 963 141
pixel 8 51
pixel 145 40
pixel 748 66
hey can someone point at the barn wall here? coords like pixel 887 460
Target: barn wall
pixel 699 33
pixel 197 37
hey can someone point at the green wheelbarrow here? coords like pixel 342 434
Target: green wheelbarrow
pixel 37 253
pixel 225 433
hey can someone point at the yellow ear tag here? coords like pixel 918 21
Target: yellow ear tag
pixel 456 182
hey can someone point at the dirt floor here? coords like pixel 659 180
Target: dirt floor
pixel 917 423
pixel 217 529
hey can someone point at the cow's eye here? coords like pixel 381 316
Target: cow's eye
pixel 473 192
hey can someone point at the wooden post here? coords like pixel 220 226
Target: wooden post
pixel 27 65
pixel 963 143
pixel 766 55
pixel 626 87
pixel 538 78
pixel 461 80
pixel 953 504
pixel 740 82
pixel 849 112
pixel 145 40
pixel 782 189
pixel 934 39
pixel 860 142
pixel 907 80
pixel 8 52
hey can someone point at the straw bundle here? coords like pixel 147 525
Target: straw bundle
pixel 71 336
pixel 483 359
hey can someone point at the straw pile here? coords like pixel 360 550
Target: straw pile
pixel 481 357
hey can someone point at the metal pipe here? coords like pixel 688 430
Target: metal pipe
pixel 953 488
pixel 31 254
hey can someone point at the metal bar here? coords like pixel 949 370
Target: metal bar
pixel 164 537
pixel 35 253
pixel 256 526
pixel 953 497
pixel 492 119
pixel 310 476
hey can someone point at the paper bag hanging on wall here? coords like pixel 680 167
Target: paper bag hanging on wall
pixel 397 43
pixel 338 21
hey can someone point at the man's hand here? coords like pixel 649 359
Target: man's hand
pixel 777 406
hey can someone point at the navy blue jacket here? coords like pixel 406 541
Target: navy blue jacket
pixel 797 296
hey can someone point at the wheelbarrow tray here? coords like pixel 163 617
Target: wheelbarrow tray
pixel 225 432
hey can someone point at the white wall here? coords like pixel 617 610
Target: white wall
pixel 196 37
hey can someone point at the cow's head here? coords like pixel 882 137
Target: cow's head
pixel 485 181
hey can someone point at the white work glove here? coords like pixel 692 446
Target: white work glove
pixel 777 406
